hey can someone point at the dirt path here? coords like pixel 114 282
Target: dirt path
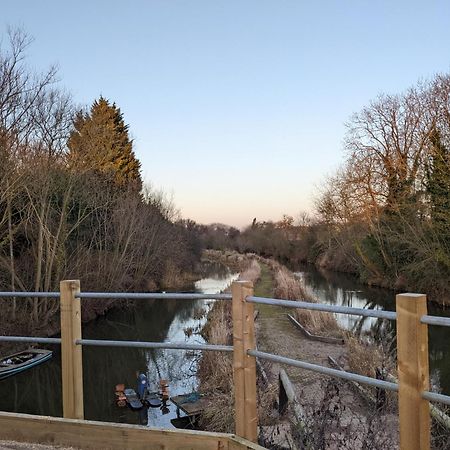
pixel 276 334
pixel 319 399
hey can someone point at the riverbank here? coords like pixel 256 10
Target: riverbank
pixel 38 391
pixel 91 310
pixel 359 414
pixel 276 334
pixel 334 261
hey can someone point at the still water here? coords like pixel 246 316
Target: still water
pixel 343 289
pixel 38 391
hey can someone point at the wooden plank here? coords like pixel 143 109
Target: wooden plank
pixel 238 443
pixel 71 354
pixel 244 366
pixel 89 435
pixel 314 337
pixel 251 411
pixel 238 359
pixel 287 391
pixel 190 408
pixel 413 372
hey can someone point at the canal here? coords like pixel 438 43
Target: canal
pixel 344 289
pixel 38 391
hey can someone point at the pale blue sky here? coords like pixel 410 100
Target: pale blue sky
pixel 236 107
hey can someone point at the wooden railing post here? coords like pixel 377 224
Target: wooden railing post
pixel 244 366
pixel 71 354
pixel 413 372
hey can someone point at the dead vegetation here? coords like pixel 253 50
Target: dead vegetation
pixel 215 369
pixel 333 419
pixel 290 287
pixel 332 424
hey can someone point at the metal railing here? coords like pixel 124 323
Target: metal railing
pixel 412 352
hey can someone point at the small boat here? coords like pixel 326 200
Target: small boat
pixel 18 362
pixel 133 399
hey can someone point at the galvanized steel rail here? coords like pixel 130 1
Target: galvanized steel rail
pixel 122 295
pixel 325 370
pixel 436 320
pixel 153 296
pixel 389 315
pixel 435 397
pixel 31 339
pixel 161 345
pixel 29 294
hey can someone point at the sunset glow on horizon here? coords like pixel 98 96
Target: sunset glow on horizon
pixel 237 109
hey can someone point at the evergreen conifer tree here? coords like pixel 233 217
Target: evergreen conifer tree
pixel 438 186
pixel 100 143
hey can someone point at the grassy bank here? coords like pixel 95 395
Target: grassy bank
pixel 215 369
pixel 270 279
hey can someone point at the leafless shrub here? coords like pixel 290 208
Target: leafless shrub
pixel 331 424
pixel 215 369
pixel 440 433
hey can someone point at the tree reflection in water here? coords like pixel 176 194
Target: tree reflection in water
pixel 38 391
pixel 344 289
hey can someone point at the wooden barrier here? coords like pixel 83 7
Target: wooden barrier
pixel 413 372
pixel 413 379
pixel 71 354
pixel 84 434
pixel 244 366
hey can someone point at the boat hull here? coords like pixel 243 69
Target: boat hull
pixel 8 370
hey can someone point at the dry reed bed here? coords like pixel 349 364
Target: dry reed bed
pixel 215 369
pixel 362 356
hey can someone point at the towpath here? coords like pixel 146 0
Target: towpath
pixel 335 411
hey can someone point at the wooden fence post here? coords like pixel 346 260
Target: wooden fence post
pixel 413 372
pixel 244 366
pixel 71 354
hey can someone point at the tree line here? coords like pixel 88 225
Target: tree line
pixel 387 210
pixel 385 214
pixel 72 201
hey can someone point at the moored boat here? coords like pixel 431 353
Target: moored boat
pixel 18 362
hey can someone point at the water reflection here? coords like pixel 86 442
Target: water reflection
pixel 38 391
pixel 343 289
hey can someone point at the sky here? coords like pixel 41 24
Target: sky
pixel 237 108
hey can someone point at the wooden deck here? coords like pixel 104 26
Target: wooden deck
pixel 84 434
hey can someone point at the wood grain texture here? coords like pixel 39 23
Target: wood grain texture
pixel 85 434
pixel 71 354
pixel 413 372
pixel 244 366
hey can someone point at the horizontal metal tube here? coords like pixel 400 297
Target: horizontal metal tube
pixel 154 296
pixel 37 340
pixel 163 345
pixel 326 370
pixel 389 315
pixel 436 320
pixel 30 294
pixel 433 397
